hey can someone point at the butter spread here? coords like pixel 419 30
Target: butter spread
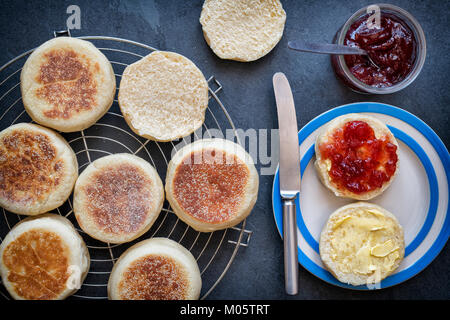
pixel 365 242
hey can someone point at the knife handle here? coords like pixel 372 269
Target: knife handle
pixel 290 247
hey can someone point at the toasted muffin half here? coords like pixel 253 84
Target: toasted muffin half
pixel 155 269
pixel 67 84
pixel 43 258
pixel 212 184
pixel 117 198
pixel 356 156
pixel 38 169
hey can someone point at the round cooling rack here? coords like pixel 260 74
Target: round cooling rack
pixel 214 251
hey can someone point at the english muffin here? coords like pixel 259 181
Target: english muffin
pixel 163 96
pixel 155 269
pixel 67 84
pixel 212 184
pixel 38 169
pixel 43 258
pixel 362 243
pixel 117 198
pixel 356 156
pixel 242 30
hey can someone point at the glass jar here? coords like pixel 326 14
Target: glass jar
pixel 342 70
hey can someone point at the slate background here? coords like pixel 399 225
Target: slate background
pixel 257 272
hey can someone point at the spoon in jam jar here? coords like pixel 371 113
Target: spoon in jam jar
pixel 328 48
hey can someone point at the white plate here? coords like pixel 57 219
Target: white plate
pixel 418 197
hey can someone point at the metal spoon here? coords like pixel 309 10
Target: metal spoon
pixel 328 48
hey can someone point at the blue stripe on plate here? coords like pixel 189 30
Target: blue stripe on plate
pixel 444 157
pixel 432 181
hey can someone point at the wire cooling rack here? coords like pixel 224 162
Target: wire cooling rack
pixel 213 251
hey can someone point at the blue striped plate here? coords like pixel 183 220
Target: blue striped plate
pixel 418 197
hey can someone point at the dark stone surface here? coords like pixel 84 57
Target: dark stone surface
pixel 257 272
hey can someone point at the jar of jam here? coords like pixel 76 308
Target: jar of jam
pixel 396 47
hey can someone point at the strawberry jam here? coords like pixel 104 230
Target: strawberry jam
pixel 359 161
pixel 391 47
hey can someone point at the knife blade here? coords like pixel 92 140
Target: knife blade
pixel 289 173
pixel 325 48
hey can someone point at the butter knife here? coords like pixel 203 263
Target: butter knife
pixel 326 48
pixel 289 172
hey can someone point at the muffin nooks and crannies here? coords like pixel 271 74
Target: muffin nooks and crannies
pixel 43 258
pixel 362 243
pixel 356 156
pixel 163 96
pixel 155 269
pixel 38 169
pixel 67 84
pixel 117 198
pixel 212 184
pixel 242 30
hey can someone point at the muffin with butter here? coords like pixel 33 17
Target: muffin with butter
pixel 362 243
